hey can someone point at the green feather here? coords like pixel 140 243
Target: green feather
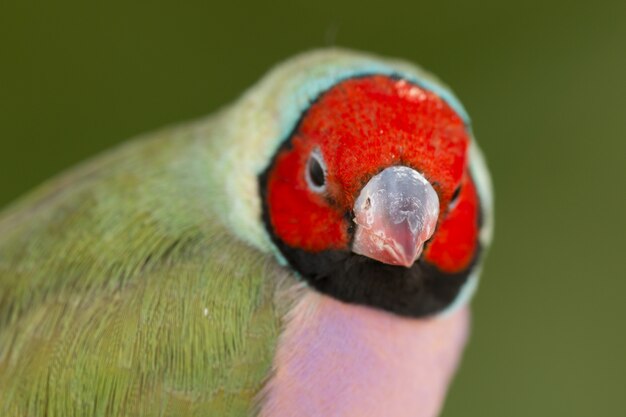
pixel 143 283
pixel 122 294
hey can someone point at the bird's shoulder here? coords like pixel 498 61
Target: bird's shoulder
pixel 121 293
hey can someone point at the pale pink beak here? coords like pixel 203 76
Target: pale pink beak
pixel 396 212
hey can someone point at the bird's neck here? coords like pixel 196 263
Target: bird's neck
pixel 342 360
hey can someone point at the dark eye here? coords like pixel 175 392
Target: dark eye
pixel 455 196
pixel 316 172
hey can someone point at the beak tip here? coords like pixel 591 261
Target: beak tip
pixel 407 256
pixel 391 251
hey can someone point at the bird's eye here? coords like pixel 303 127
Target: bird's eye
pixel 316 172
pixel 455 197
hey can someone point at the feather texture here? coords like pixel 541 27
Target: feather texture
pixel 121 293
pixel 144 283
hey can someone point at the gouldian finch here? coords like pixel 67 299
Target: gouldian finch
pixel 309 250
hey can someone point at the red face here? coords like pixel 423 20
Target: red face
pixel 355 130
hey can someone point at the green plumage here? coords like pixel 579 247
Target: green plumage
pixel 121 293
pixel 143 283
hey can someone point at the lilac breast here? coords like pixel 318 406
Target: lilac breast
pixel 341 360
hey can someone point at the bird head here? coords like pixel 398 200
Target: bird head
pixel 371 192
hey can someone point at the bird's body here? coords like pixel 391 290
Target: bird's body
pixel 145 283
pixel 120 299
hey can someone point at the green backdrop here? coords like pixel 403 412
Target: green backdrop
pixel 544 83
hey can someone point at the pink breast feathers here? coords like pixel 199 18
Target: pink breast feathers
pixel 343 360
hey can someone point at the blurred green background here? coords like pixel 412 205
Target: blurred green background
pixel 544 83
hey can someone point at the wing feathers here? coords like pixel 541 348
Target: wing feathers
pixel 120 294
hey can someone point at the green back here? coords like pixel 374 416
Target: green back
pixel 121 294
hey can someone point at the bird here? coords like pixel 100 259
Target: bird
pixel 308 250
